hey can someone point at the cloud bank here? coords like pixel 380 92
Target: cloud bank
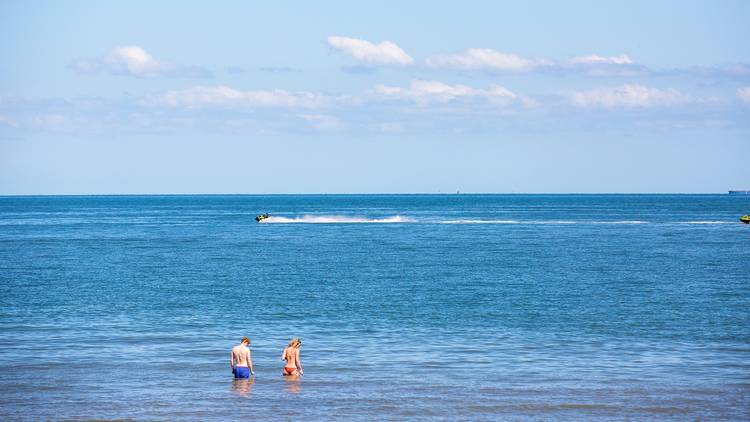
pixel 425 92
pixel 385 53
pixel 223 96
pixel 628 96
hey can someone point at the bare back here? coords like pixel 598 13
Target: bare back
pixel 241 355
pixel 291 356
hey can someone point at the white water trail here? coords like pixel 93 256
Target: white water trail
pixel 480 222
pixel 552 222
pixel 621 222
pixel 334 219
pixel 706 222
pixel 505 222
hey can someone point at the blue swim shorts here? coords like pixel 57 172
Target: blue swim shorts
pixel 241 372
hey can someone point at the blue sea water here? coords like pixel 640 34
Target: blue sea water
pixel 444 307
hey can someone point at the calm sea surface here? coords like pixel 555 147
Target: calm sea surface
pixel 472 307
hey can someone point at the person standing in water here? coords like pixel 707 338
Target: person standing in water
pixel 291 356
pixel 240 360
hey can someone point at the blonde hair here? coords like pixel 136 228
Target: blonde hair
pixel 295 342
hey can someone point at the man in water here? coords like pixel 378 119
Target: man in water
pixel 240 360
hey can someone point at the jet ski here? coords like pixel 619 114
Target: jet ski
pixel 261 217
pixel 745 218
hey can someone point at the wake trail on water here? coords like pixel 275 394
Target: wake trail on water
pixel 335 219
pixel 583 222
pixel 480 222
pixel 539 222
pixel 340 219
pixel 706 222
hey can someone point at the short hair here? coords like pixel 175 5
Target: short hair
pixel 245 339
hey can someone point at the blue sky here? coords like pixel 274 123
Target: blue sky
pixel 338 97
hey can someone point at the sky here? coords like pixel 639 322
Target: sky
pixel 374 97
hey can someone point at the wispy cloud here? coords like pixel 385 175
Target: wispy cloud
pixel 425 92
pixel 236 70
pixel 732 72
pixel 390 127
pixel 596 65
pixel 420 105
pixel 629 96
pixel 279 69
pixel 384 53
pixel 7 121
pixel 322 122
pixel 136 61
pixel 49 121
pixel 359 70
pixel 744 94
pixel 736 71
pixel 486 59
pixel 223 96
pixel 595 59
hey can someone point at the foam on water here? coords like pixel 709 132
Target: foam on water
pixel 480 222
pixel 707 222
pixel 468 221
pixel 334 219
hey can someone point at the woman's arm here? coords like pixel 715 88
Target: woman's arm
pixel 299 362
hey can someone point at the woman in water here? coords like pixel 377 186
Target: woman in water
pixel 291 356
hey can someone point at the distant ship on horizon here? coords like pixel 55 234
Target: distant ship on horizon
pixel 739 192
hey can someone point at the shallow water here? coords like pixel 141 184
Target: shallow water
pixel 620 307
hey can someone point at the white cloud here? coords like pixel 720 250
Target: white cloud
pixel 49 120
pixel 7 121
pixel 628 96
pixel 391 127
pixel 322 121
pixel 744 94
pixel 385 53
pixel 595 59
pixel 493 60
pixel 223 96
pixel 133 60
pixel 736 71
pixel 486 59
pixel 596 65
pixel 424 92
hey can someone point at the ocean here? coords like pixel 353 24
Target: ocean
pixel 410 307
